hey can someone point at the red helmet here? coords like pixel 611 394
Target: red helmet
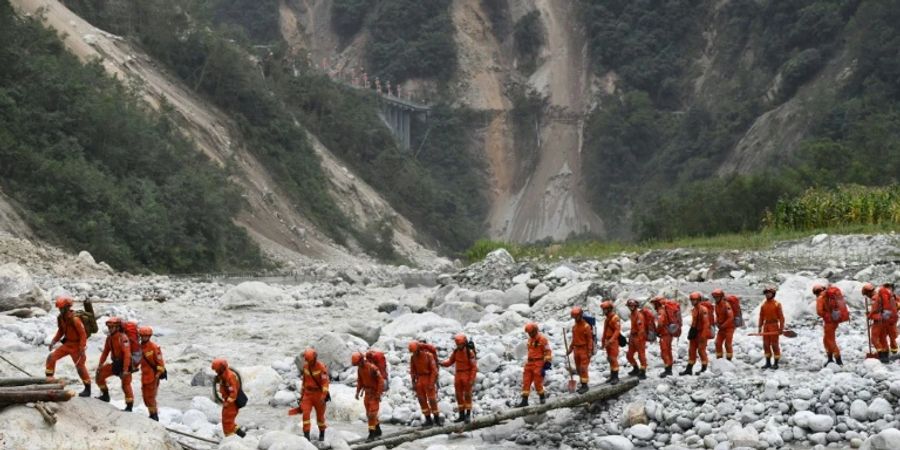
pixel 113 321
pixel 817 288
pixel 576 312
pixel 460 339
pixel 696 296
pixel 413 346
pixel 145 331
pixel 632 303
pixel 531 327
pixel 63 301
pixel 219 365
pixel 717 293
pixel 356 358
pixel 309 355
pixel 868 288
pixel 607 304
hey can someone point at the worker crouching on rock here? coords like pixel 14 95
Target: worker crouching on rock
pixel 230 390
pixel 315 394
pixel 537 363
pixel 71 331
pixel 118 348
pixel 464 358
pixel 153 368
pixel 423 370
pixel 370 382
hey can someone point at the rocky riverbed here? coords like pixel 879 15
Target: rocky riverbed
pixel 261 326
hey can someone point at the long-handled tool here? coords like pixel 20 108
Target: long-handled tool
pixel 571 386
pixel 871 354
pixel 785 333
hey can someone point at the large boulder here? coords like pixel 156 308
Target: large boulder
pixel 260 383
pixel 888 439
pixel 18 290
pixel 82 424
pixel 516 295
pixel 283 440
pixel 343 407
pixel 614 443
pixel 209 408
pixel 562 299
pixel 795 296
pixel 460 312
pixel 415 325
pixel 334 350
pixel 364 330
pixel 251 294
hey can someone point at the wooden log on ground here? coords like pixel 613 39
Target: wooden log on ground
pixel 48 416
pixel 24 381
pixel 17 397
pixel 566 401
pixel 33 387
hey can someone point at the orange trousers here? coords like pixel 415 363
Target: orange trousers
pixel 892 334
pixel 229 414
pixel 532 375
pixel 770 342
pixel 372 403
pixel 724 339
pixel 582 361
pixel 637 346
pixel 612 355
pixel 313 399
pixel 880 336
pixel 105 371
pixel 148 392
pixel 463 382
pixel 426 391
pixel 665 350
pixel 829 339
pixel 78 357
pixel 697 350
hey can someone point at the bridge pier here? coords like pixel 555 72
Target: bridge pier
pixel 397 115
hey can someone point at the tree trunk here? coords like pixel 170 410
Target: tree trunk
pixel 596 394
pixel 34 387
pixel 24 381
pixel 16 397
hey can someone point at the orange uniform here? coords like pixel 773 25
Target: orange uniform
pixel 118 347
pixel 880 314
pixel 725 335
pixel 423 370
pixel 71 331
pixel 370 381
pixel 229 386
pixel 612 328
pixel 701 320
pixel 890 325
pixel 464 379
pixel 152 366
pixel 314 382
pixel 538 353
pixel 582 347
pixel 824 309
pixel 637 341
pixel 771 324
pixel 665 337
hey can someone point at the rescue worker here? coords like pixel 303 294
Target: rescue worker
pixel 771 325
pixel 824 310
pixel 886 293
pixel 536 365
pixel 118 348
pixel 699 334
pixel 725 323
pixel 582 346
pixel 880 314
pixel 152 368
pixel 664 333
pixel 637 342
pixel 423 370
pixel 71 331
pixel 464 379
pixel 370 382
pixel 314 384
pixel 612 329
pixel 229 387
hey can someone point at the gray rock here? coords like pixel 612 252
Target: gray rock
pixel 859 410
pixel 18 290
pixel 539 292
pixel 888 439
pixel 388 306
pixel 251 294
pixel 879 408
pixel 614 443
pixel 334 349
pixel 461 312
pixel 364 330
pixel 820 423
pixel 642 432
pixel 202 378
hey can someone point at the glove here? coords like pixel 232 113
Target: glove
pixel 672 328
pixel 545 368
pixel 327 397
pixel 692 333
pixel 50 347
pixel 886 315
pixel 356 396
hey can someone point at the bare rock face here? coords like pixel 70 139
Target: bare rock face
pixel 18 290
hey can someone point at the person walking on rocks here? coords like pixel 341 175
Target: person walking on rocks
pixel 830 306
pixel 153 368
pixel 612 330
pixel 370 382
pixel 423 370
pixel 70 330
pixel 771 325
pixel 699 334
pixel 465 359
pixel 314 383
pixel 880 312
pixel 582 346
pixel 637 342
pixel 668 323
pixel 230 390
pixel 118 348
pixel 725 320
pixel 536 366
pixel 886 292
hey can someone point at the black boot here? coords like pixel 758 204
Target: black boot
pixel 830 360
pixel 438 420
pixel 322 435
pixel 768 363
pixel 371 437
pixel 378 430
pixel 306 435
pixel 642 375
pixel 702 369
pixel 462 416
pixel 428 421
pixel 468 417
pixel 582 389
pixel 241 433
pixel 524 402
pixel 689 370
pixel 543 398
pixel 728 357
pixel 883 357
pixel 154 416
pixel 634 371
pixel 87 390
pixel 838 360
pixel 613 377
pixel 128 407
pixel 775 366
pixel 104 395
pixel 666 372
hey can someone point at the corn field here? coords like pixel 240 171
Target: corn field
pixel 847 205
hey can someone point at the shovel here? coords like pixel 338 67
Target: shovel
pixel 785 333
pixel 571 386
pixel 871 354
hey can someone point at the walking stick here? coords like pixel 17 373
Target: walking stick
pixel 571 386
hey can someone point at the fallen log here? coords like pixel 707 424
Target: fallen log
pixel 17 397
pixel 567 401
pixel 48 416
pixel 34 387
pixel 24 381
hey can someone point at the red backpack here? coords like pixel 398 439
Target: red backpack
pixel 673 316
pixel 735 304
pixel 377 358
pixel 837 305
pixel 131 330
pixel 649 319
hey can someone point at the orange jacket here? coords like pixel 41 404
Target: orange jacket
pixel 117 344
pixel 229 386
pixel 369 378
pixel 422 364
pixel 464 359
pixel 611 330
pixel 71 328
pixel 638 324
pixel 662 321
pixel 702 321
pixel 824 307
pixel 724 315
pixel 315 378
pixel 582 336
pixel 770 314
pixel 152 364
pixel 539 348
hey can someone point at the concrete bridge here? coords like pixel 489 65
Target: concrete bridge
pixel 397 114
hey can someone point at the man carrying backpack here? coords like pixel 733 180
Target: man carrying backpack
pixel 637 343
pixel 612 330
pixel 152 368
pixel 537 363
pixel 666 328
pixel 464 379
pixel 229 389
pixel 118 348
pixel 71 331
pixel 699 334
pixel 582 346
pixel 314 382
pixel 377 358
pixel 370 382
pixel 423 371
pixel 725 320
pixel 770 326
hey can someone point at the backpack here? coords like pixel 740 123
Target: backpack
pixel 470 344
pixel 650 320
pixel 378 359
pixel 837 304
pixel 241 400
pixel 131 330
pixel 429 348
pixel 673 316
pixel 735 304
pixel 592 321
